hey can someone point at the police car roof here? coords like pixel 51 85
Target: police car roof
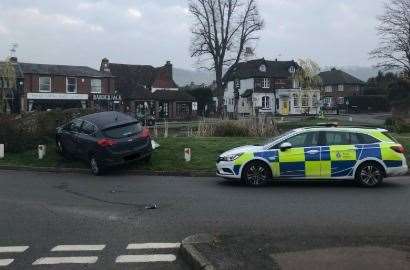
pixel 343 128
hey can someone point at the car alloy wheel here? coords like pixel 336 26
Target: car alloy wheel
pixel 256 174
pixel 370 175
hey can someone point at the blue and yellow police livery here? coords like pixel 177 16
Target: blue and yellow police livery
pixel 340 153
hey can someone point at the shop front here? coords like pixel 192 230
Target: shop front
pixel 50 101
pixel 106 102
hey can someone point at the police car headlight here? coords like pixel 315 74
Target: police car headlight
pixel 233 157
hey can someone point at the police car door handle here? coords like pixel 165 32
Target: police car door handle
pixel 313 152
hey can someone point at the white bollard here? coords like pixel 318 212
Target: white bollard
pixel 1 151
pixel 188 154
pixel 350 119
pixel 41 151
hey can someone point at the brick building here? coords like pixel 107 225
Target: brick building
pixel 337 85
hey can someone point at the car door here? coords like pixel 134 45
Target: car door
pixel 86 140
pixel 338 157
pixel 69 137
pixel 302 159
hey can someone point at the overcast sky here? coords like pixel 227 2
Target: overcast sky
pixel 81 32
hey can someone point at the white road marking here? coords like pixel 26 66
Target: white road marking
pixel 78 248
pixel 153 245
pixel 6 262
pixel 66 260
pixel 13 249
pixel 145 258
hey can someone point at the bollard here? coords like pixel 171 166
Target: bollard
pixel 166 130
pixel 1 151
pixel 41 151
pixel 350 119
pixel 188 154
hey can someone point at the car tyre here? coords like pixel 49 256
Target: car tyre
pixel 256 174
pixel 146 159
pixel 370 174
pixel 95 166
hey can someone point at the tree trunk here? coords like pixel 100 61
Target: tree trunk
pixel 219 90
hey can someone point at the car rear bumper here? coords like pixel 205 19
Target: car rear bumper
pixel 403 170
pixel 127 157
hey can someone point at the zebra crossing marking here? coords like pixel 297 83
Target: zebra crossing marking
pixel 13 249
pixel 154 246
pixel 6 262
pixel 66 260
pixel 145 258
pixel 78 248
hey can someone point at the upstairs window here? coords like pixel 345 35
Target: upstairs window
pixel 262 68
pixel 71 85
pixel 340 88
pixel 96 86
pixel 295 100
pixel 265 102
pixel 44 84
pixel 237 84
pixel 315 100
pixel 266 83
pixel 328 89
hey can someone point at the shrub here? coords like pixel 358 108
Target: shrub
pixel 259 127
pixel 28 131
pixel 397 125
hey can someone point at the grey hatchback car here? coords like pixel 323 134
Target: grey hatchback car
pixel 104 140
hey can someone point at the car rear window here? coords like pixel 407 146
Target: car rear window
pixel 391 137
pixel 123 131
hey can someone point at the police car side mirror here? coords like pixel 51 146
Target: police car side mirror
pixel 285 146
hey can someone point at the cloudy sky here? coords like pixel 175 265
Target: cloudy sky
pixel 81 32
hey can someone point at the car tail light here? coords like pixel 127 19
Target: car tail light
pixel 144 134
pixel 399 149
pixel 106 142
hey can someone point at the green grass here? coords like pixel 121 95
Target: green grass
pixel 169 157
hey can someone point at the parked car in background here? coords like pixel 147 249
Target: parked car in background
pixel 104 140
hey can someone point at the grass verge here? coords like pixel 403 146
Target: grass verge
pixel 169 157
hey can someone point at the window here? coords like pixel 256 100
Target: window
pixel 265 83
pixel 327 101
pixel 340 100
pixel 357 88
pixel 367 139
pixel 75 126
pixel 96 86
pixel 328 89
pixel 88 128
pixel 305 100
pixel 265 102
pixel 124 131
pixel 262 68
pixel 71 85
pixel 44 84
pixel 304 140
pixel 337 138
pixel 314 100
pixel 295 100
pixel 340 88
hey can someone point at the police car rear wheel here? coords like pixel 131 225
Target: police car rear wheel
pixel 256 174
pixel 369 175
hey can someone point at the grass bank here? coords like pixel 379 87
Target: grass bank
pixel 169 157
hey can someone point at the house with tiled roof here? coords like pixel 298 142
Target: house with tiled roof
pixel 149 91
pixel 45 86
pixel 262 86
pixel 337 85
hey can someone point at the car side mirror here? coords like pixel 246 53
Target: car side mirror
pixel 285 146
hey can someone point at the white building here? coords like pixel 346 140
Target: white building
pixel 268 87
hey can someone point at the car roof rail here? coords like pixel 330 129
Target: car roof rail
pixel 330 124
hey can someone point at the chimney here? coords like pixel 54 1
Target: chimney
pixel 13 59
pixel 105 65
pixel 168 67
pixel 249 54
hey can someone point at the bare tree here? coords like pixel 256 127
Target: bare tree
pixel 394 33
pixel 221 31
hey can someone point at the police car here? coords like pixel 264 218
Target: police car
pixel 316 153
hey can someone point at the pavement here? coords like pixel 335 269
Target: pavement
pixel 118 221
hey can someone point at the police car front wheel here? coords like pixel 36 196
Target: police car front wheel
pixel 256 173
pixel 370 174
